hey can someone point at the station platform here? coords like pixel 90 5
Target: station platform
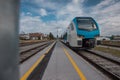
pixel 65 64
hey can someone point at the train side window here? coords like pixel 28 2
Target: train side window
pixel 68 30
pixel 72 27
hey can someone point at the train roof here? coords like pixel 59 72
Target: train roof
pixel 83 18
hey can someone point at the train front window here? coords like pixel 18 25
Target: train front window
pixel 86 24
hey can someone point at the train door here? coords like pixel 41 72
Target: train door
pixel 73 35
pixel 68 35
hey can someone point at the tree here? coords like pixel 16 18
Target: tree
pixel 51 36
pixel 112 37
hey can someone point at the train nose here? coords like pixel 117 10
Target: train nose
pixel 88 43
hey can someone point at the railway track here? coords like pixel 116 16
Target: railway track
pixel 29 53
pixel 29 43
pixel 108 66
pixel 118 46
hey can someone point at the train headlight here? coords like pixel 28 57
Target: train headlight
pixel 97 37
pixel 80 38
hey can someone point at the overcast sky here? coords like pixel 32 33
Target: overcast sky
pixel 49 15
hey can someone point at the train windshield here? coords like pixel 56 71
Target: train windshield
pixel 86 24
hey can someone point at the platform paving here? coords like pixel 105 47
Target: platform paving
pixel 60 67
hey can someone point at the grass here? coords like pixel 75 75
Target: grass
pixel 108 50
pixel 107 42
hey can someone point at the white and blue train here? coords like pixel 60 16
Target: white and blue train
pixel 82 32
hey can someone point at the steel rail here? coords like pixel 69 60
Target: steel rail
pixel 29 53
pixel 107 66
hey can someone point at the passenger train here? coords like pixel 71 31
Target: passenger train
pixel 82 32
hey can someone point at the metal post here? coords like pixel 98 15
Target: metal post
pixel 9 10
pixel 57 32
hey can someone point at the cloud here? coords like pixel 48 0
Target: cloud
pixel 47 4
pixel 43 12
pixel 106 13
pixel 30 24
pixel 28 13
pixel 35 24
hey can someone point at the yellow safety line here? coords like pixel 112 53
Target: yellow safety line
pixel 82 77
pixel 50 48
pixel 25 76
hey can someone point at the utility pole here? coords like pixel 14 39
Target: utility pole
pixel 57 32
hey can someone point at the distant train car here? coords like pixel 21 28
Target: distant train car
pixel 82 33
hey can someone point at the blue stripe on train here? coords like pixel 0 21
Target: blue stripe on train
pixel 85 33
